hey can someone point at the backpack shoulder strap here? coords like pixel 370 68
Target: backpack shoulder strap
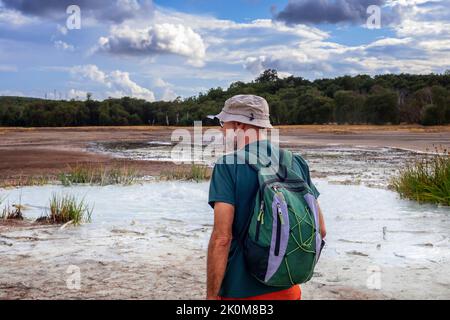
pixel 287 158
pixel 261 160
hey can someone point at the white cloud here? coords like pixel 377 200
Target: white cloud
pixel 308 51
pixel 229 51
pixel 255 64
pixel 169 95
pixel 218 41
pixel 122 81
pixel 283 75
pixel 168 89
pixel 414 26
pixel 91 72
pixel 408 2
pixel 77 94
pixel 118 82
pixel 422 18
pixel 263 43
pixel 62 29
pixel 158 82
pixel 325 59
pixel 14 18
pixel 233 42
pixel 204 23
pixel 158 39
pixel 420 45
pixel 287 63
pixel 385 42
pixel 61 45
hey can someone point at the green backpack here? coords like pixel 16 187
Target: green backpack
pixel 282 241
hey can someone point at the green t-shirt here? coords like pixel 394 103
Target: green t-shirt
pixel 237 184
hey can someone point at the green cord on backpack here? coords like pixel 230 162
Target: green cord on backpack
pixel 282 243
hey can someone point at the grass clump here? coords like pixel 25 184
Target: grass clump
pixel 25 182
pixel 98 175
pixel 13 212
pixel 427 179
pixel 65 209
pixel 195 172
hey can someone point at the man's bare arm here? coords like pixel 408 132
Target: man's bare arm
pixel 219 247
pixel 323 229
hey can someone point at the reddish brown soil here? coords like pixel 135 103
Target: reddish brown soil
pixel 31 152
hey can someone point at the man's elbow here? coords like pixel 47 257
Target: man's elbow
pixel 218 240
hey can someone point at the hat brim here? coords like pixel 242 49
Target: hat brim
pixel 226 117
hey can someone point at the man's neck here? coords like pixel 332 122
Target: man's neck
pixel 251 139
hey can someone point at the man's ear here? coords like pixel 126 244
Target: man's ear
pixel 239 125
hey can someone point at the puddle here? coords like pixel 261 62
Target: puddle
pixel 371 166
pixel 358 217
pixel 165 227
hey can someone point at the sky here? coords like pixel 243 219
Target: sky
pixel 161 50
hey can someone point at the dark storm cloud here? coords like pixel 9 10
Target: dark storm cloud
pixel 103 10
pixel 326 11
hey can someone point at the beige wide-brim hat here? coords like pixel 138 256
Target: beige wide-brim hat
pixel 249 109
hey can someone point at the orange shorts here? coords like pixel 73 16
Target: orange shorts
pixel 293 293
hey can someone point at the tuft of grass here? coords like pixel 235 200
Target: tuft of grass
pixel 13 212
pixel 66 208
pixel 122 175
pixel 25 182
pixel 426 179
pixel 95 175
pixel 194 173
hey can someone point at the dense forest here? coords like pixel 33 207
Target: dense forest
pixel 362 99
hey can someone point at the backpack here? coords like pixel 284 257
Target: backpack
pixel 282 241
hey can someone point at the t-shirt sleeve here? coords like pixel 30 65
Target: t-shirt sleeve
pixel 222 186
pixel 306 174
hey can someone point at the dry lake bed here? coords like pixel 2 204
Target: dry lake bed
pixel 148 240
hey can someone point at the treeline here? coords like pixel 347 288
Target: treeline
pixel 362 99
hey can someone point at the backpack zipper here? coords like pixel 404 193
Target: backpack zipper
pixel 267 183
pixel 278 235
pixel 280 221
pixel 296 189
pixel 259 220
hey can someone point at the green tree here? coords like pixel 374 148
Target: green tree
pixel 431 115
pixel 313 108
pixel 437 112
pixel 349 107
pixel 269 75
pixel 381 107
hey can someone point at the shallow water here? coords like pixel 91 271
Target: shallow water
pixel 371 221
pixel 166 226
pixel 372 166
